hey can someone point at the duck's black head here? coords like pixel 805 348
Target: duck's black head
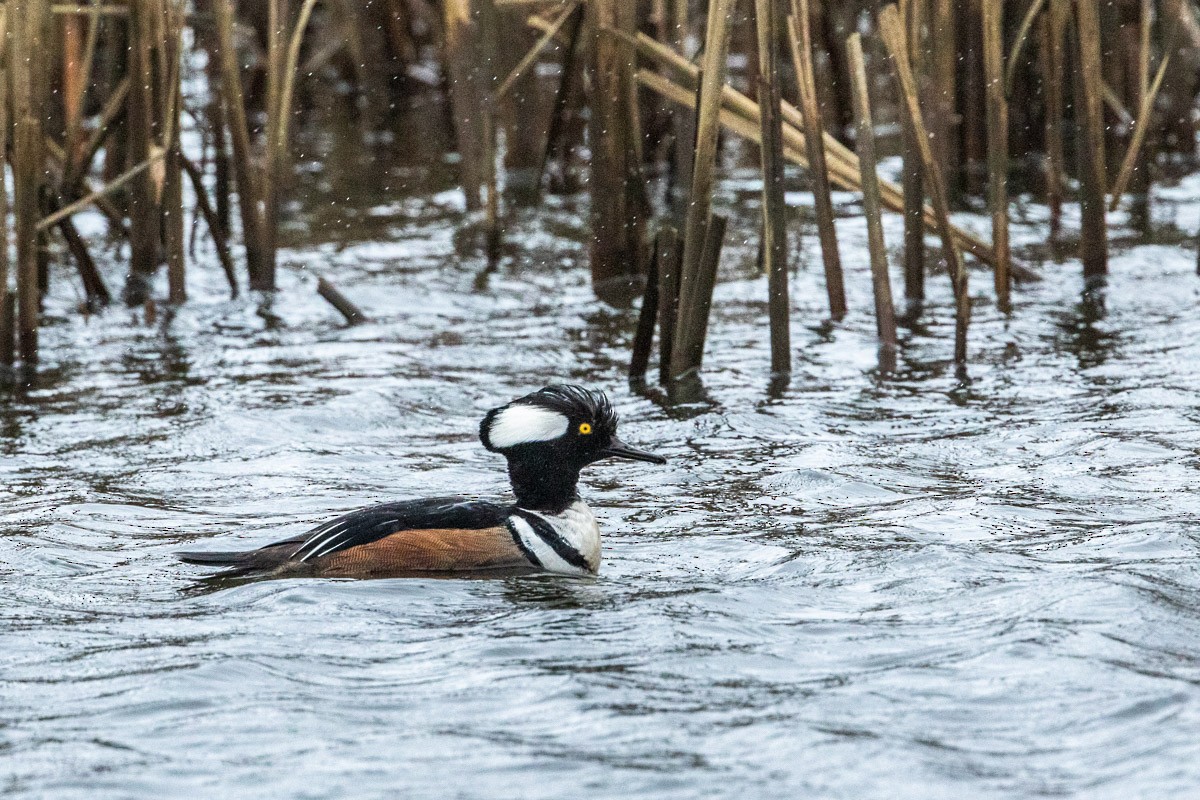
pixel 549 436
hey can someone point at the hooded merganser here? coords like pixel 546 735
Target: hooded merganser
pixel 547 436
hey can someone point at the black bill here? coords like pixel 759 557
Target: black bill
pixel 618 449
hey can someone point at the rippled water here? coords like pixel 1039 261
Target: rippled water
pixel 854 586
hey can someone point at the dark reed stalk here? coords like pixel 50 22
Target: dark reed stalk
pixel 885 313
pixel 145 214
pixel 568 83
pixel 28 47
pixel 774 244
pixel 260 261
pixel 335 298
pixel 6 298
pixel 220 242
pixel 801 40
pixel 997 141
pixel 943 89
pixel 1052 66
pixel 643 338
pixel 691 332
pixel 892 31
pixel 669 250
pixel 618 206
pixel 912 178
pixel 94 288
pixel 1014 54
pixel 684 357
pixel 1093 245
pixel 170 48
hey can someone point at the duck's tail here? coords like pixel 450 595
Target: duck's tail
pixel 238 563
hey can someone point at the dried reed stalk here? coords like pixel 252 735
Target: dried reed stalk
pixel 891 29
pixel 801 41
pixel 1052 65
pixel 885 313
pixel 686 357
pixel 1093 179
pixel 912 181
pixel 997 139
pixel 775 249
pixel 1145 113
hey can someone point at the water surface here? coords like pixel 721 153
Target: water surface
pixel 854 586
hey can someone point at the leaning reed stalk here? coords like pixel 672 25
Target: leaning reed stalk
pixel 1145 113
pixel 943 86
pixel 775 250
pixel 892 31
pixel 842 162
pixel 704 162
pixel 1093 245
pixel 885 313
pixel 801 41
pixel 997 141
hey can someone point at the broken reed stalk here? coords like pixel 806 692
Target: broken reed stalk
pixel 28 37
pixel 170 48
pixel 775 249
pixel 738 108
pixel 891 29
pixel 1093 244
pixel 685 357
pixel 997 143
pixel 347 309
pixel 912 181
pixel 800 37
pixel 885 313
pixel 1052 64
pixel 1145 113
pixel 531 57
pixel 669 251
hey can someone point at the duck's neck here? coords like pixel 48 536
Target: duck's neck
pixel 540 487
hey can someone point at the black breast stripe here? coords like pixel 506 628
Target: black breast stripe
pixel 550 536
pixel 512 529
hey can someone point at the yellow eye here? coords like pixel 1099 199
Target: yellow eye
pixel 585 428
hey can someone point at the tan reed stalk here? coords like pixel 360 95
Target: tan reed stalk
pixel 1145 113
pixel 692 333
pixel 775 249
pixel 891 29
pixel 997 138
pixel 28 39
pixel 885 313
pixel 685 357
pixel 943 86
pixel 801 41
pixel 1093 179
pixel 461 36
pixel 1014 54
pixel 843 163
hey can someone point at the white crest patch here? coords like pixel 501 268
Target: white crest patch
pixel 522 423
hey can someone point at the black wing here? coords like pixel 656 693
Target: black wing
pixel 371 524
